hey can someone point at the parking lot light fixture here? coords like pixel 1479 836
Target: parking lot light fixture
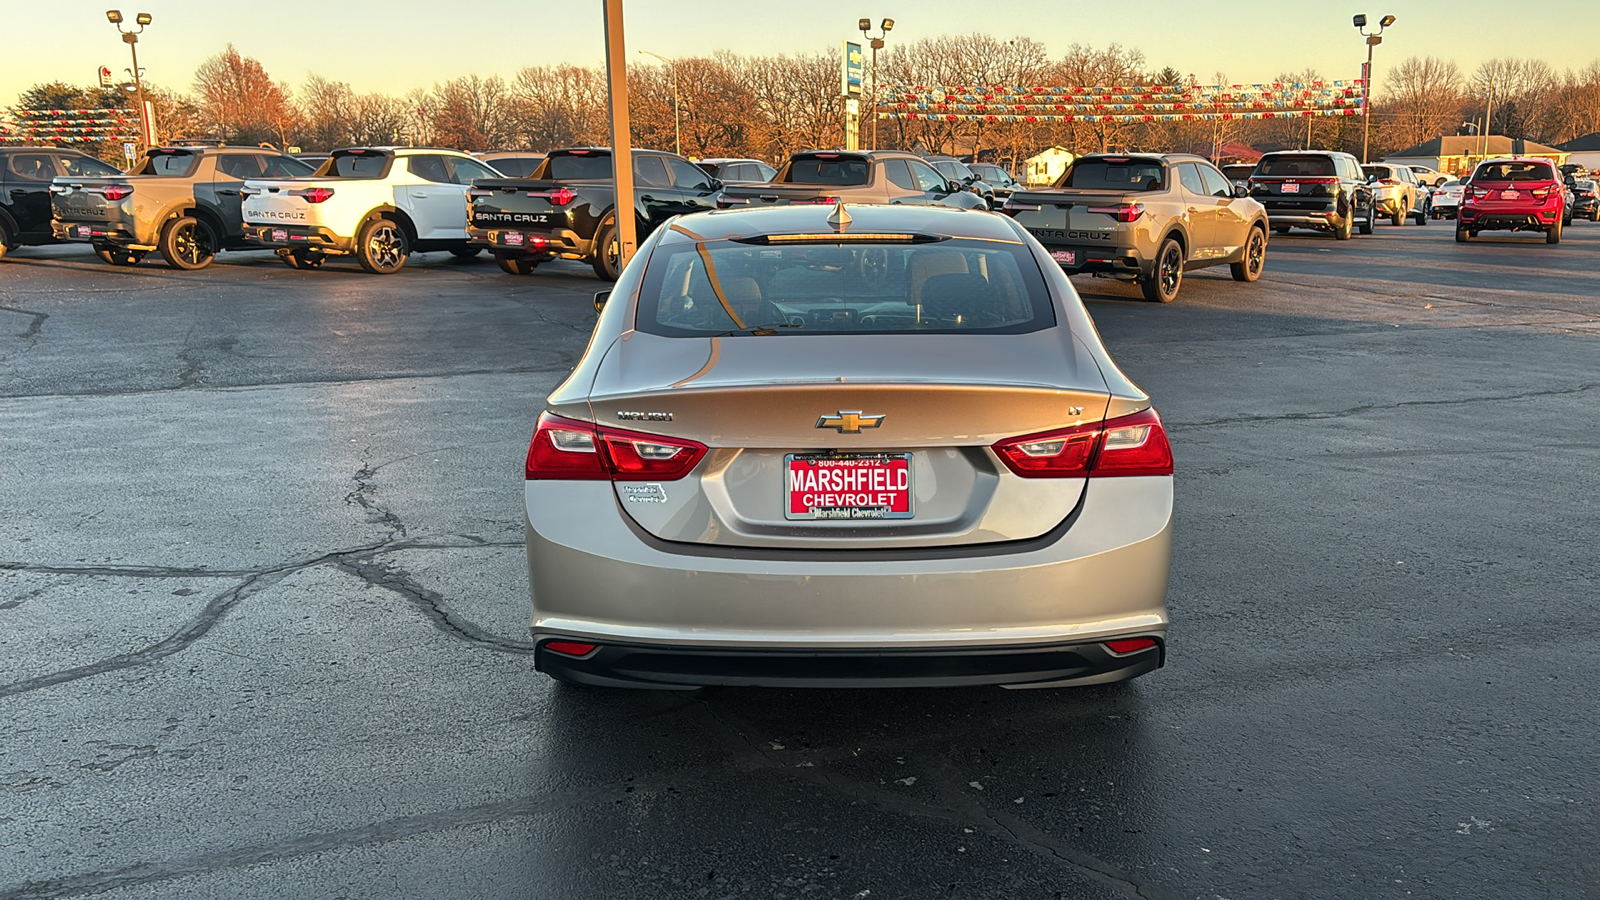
pixel 885 26
pixel 114 16
pixel 1373 39
pixel 131 38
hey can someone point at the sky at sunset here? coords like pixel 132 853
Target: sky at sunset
pixel 393 46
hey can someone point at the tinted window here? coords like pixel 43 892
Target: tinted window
pixel 467 169
pixel 175 165
pixel 1514 171
pixel 927 178
pixel 1113 175
pixel 1292 166
pixel 516 166
pixel 287 167
pixel 364 165
pixel 31 167
pixel 764 172
pixel 950 169
pixel 954 286
pixel 648 171
pixel 832 170
pixel 688 177
pixel 429 168
pixel 736 172
pixel 87 167
pixel 1216 185
pixel 899 176
pixel 239 165
pixel 590 167
pixel 1189 175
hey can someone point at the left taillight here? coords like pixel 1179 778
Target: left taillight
pixel 115 192
pixel 1126 446
pixel 313 195
pixel 568 449
pixel 1123 212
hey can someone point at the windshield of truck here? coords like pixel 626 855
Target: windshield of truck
pixel 894 287
pixel 1113 174
pixel 1297 167
pixel 828 170
pixel 1514 171
pixel 590 167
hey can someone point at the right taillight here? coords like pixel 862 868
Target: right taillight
pixel 116 192
pixel 568 449
pixel 1121 447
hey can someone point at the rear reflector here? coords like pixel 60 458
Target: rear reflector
pixel 1126 645
pixel 573 648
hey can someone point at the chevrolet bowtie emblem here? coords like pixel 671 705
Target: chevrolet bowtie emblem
pixel 849 421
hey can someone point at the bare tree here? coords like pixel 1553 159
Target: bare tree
pixel 1521 90
pixel 471 113
pixel 241 102
pixel 558 106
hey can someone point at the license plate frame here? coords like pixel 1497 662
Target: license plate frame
pixel 82 232
pixel 1070 257
pixel 891 500
pixel 1291 188
pixel 1511 194
pixel 512 238
pixel 280 234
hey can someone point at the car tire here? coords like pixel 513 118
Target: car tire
pixel 5 238
pixel 465 254
pixel 516 265
pixel 1553 234
pixel 1248 270
pixel 300 259
pixel 1346 226
pixel 607 259
pixel 1462 235
pixel 117 257
pixel 1420 215
pixel 382 246
pixel 1166 276
pixel 1280 229
pixel 1398 217
pixel 187 243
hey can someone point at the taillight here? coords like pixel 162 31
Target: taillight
pixel 1011 208
pixel 1389 181
pixel 568 449
pixel 818 201
pixel 1125 446
pixel 116 192
pixel 562 196
pixel 1122 212
pixel 313 195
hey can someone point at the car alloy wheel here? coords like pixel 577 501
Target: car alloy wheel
pixel 384 245
pixel 1255 257
pixel 1163 283
pixel 188 243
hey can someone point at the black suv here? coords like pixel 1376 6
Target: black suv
pixel 25 174
pixel 1323 190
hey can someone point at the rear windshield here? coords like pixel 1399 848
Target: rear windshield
pixel 1296 166
pixel 358 165
pixel 592 167
pixel 176 165
pixel 1514 171
pixel 816 170
pixel 948 287
pixel 1113 175
pixel 515 166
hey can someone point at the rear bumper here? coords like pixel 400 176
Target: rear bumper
pixel 309 237
pixel 1045 665
pixel 594 579
pixel 1533 220
pixel 1304 218
pixel 562 242
pixel 114 234
pixel 1100 259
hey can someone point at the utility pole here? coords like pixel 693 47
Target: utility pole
pixel 621 140
pixel 1373 40
pixel 865 25
pixel 131 38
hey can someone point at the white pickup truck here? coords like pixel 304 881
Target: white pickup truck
pixel 378 204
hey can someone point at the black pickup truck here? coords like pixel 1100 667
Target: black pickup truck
pixel 182 201
pixel 567 208
pixel 25 176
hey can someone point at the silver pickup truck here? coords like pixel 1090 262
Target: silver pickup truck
pixel 1146 218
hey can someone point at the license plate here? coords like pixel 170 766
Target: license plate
pixel 847 486
pixel 1509 195
pixel 280 234
pixel 512 238
pixel 82 231
pixel 1291 189
pixel 1070 257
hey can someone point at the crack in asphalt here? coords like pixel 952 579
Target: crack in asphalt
pixel 955 807
pixel 1373 407
pixel 431 604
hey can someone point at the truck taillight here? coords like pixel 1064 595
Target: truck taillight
pixel 115 192
pixel 1122 212
pixel 1120 447
pixel 816 201
pixel 568 449
pixel 1012 207
pixel 314 195
pixel 562 196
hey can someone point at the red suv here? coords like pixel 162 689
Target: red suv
pixel 1513 194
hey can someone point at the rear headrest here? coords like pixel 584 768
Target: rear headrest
pixel 949 296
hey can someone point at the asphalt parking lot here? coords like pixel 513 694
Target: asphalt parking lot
pixel 263 609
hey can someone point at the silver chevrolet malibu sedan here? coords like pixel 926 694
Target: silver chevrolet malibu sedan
pixel 816 446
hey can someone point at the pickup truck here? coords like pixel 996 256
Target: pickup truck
pixel 182 201
pixel 25 176
pixel 378 204
pixel 854 176
pixel 1147 218
pixel 567 208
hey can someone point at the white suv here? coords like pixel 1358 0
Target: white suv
pixel 378 204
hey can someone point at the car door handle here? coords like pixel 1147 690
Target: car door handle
pixel 228 193
pixel 648 199
pixel 420 194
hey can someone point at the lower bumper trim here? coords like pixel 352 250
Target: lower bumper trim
pixel 685 668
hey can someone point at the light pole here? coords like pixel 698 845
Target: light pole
pixel 131 38
pixel 1373 40
pixel 677 122
pixel 886 26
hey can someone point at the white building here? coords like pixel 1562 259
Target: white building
pixel 1046 167
pixel 1584 151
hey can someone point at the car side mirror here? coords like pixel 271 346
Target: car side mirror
pixel 953 187
pixel 1240 190
pixel 600 300
pixel 716 184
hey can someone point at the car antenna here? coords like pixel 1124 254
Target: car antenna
pixel 839 219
